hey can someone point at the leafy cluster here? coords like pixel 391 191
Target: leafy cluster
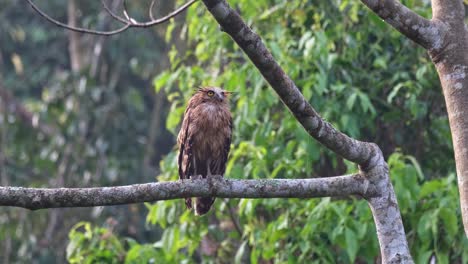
pixel 360 75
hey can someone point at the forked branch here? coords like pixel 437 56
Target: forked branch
pixel 127 21
pixel 423 31
pixel 134 23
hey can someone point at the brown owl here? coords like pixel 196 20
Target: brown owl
pixel 204 140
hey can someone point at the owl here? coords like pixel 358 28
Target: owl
pixel 204 140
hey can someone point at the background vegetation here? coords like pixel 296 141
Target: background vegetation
pixel 114 119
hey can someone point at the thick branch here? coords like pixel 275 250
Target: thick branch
pixel 40 198
pixel 387 218
pixel 420 30
pixel 349 148
pixel 448 11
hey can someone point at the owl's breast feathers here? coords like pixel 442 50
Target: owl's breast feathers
pixel 210 129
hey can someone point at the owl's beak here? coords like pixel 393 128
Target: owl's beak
pixel 220 97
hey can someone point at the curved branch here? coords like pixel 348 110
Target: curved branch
pixel 40 198
pixel 150 12
pixel 349 148
pixel 417 28
pixel 128 21
pixel 77 29
pixel 152 22
pixel 114 15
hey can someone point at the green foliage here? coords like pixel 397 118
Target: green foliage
pixel 93 245
pixel 430 211
pixel 360 74
pixel 100 116
pixel 315 230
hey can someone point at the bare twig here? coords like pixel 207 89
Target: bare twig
pixel 151 16
pixel 77 29
pixel 133 23
pixel 128 21
pixel 40 198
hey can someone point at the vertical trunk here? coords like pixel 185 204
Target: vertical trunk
pixel 452 67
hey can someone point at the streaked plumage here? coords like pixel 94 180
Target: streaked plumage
pixel 204 140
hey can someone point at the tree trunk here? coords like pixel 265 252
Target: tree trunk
pixel 451 62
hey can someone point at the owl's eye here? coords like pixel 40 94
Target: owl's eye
pixel 210 93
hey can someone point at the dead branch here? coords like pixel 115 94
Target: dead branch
pixel 128 21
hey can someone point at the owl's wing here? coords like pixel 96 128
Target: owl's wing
pixel 218 166
pixel 185 152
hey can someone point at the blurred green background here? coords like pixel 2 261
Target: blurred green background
pixel 81 110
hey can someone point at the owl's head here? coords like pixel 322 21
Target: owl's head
pixel 213 94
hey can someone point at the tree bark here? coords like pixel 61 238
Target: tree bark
pixel 40 198
pixel 445 37
pixel 451 61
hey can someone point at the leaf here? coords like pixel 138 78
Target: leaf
pixel 394 92
pixel 352 244
pixel 450 221
pixel 366 103
pixel 351 100
pixel 240 253
pixel 416 166
pixel 429 188
pixel 161 80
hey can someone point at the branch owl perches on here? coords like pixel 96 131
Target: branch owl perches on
pixel 204 140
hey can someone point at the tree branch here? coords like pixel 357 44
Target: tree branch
pixel 40 198
pixel 128 21
pixel 152 22
pixel 349 148
pixel 76 29
pixel 420 30
pixel 387 218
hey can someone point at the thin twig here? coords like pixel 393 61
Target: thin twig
pixel 133 23
pixel 77 29
pixel 125 12
pixel 114 15
pixel 127 21
pixel 151 10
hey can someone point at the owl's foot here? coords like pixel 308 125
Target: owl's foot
pixel 196 177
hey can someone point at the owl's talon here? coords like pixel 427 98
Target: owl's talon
pixel 196 177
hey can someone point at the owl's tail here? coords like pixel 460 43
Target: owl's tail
pixel 203 205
